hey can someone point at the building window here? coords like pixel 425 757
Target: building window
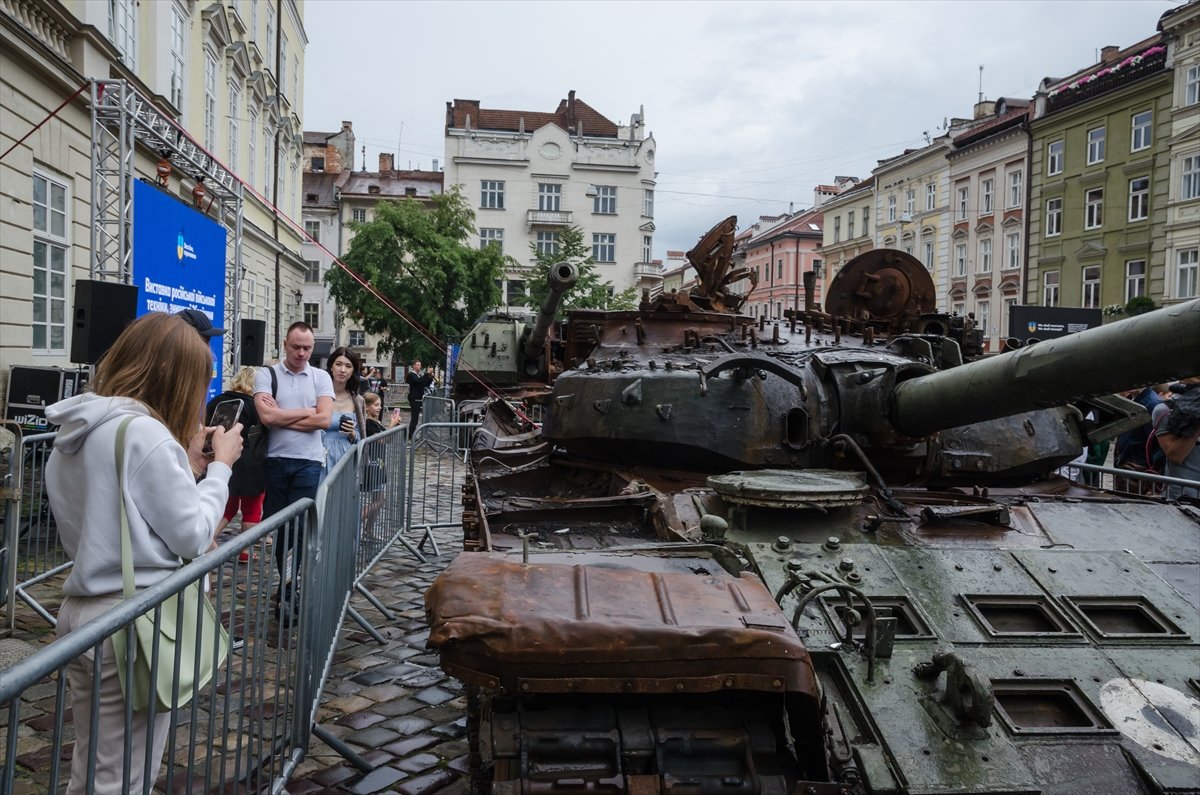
pixel 850 225
pixel 1191 85
pixel 605 201
pixel 318 164
pixel 1135 278
pixel 1054 217
pixel 779 275
pixel 1142 131
pixel 283 63
pixel 960 259
pixel 931 196
pixel 1091 287
pixel 252 148
pixel 356 338
pixel 1012 245
pixel 1189 182
pixel 1095 149
pixel 1139 199
pixel 648 203
pixel 1186 283
pixel 1016 189
pixel 983 314
pixel 958 307
pixel 986 196
pixel 312 315
pixel 866 220
pixel 549 197
pixel 1093 202
pixel 837 229
pixel 547 244
pixel 270 40
pixel 891 207
pixel 313 230
pixel 254 19
pixel 296 79
pixel 266 300
pixel 179 22
pixel 235 111
pixel 50 245
pixel 647 248
pixel 122 29
pixel 910 201
pixel 985 255
pixel 359 215
pixel 492 237
pixel 491 194
pixel 964 196
pixel 604 247
pixel 268 160
pixel 929 254
pixel 1054 158
pixel 1050 289
pixel 312 271
pixel 210 101
pixel 515 293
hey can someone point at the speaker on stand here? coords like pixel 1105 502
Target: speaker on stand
pixel 102 311
pixel 252 336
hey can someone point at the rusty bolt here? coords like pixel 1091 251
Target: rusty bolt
pixel 795 564
pixel 854 578
pixel 728 681
pixel 782 544
pixel 833 543
pixel 1018 672
pixel 776 683
pixel 847 564
pixel 679 686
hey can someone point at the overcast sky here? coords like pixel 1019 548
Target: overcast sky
pixel 751 104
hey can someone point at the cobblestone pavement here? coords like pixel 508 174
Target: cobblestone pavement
pixel 392 703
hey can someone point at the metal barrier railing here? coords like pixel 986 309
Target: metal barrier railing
pixel 246 731
pixel 1128 481
pixel 437 461
pixel 34 553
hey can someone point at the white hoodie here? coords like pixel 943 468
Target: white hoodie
pixel 170 515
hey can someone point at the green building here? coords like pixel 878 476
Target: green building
pixel 1100 173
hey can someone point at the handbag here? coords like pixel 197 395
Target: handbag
pixel 194 634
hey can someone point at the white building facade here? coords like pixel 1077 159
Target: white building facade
pixel 530 174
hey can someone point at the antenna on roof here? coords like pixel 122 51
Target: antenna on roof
pixel 981 82
pixel 364 150
pixel 400 138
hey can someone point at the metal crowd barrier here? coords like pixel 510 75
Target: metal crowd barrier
pixel 246 731
pixel 1126 481
pixel 437 467
pixel 32 549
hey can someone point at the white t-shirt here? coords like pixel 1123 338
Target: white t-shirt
pixel 296 391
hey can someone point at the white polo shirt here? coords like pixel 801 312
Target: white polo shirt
pixel 296 391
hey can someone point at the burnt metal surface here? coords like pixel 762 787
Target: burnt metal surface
pixel 850 502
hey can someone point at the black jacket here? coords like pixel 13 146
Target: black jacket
pixel 417 384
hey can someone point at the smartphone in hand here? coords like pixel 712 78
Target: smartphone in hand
pixel 226 415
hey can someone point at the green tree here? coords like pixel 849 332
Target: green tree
pixel 589 292
pixel 417 255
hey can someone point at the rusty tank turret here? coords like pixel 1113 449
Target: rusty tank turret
pixel 827 553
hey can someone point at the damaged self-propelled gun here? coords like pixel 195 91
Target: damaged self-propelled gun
pixel 827 554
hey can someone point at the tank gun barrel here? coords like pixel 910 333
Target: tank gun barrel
pixel 562 278
pixel 1145 349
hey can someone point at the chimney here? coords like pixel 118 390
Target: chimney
pixel 1108 54
pixel 984 108
pixel 347 125
pixel 386 162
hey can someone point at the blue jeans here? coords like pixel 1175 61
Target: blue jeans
pixel 288 480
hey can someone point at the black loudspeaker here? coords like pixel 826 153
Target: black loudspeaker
pixel 252 335
pixel 102 311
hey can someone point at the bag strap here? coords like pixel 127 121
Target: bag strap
pixel 126 541
pixel 274 381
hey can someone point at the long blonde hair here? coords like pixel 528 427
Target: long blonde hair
pixel 244 381
pixel 161 361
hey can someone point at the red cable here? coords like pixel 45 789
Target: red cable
pixel 53 113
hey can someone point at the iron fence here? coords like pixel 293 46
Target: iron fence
pixel 1128 481
pixel 437 468
pixel 33 552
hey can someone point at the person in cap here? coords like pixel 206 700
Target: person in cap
pixel 201 322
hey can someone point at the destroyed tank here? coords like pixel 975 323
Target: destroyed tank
pixel 828 554
pixel 515 354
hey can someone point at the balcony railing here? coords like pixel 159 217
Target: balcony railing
pixel 549 217
pixel 1066 97
pixel 647 269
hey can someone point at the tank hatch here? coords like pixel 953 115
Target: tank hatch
pixel 791 488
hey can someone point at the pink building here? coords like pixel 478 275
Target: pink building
pixel 781 253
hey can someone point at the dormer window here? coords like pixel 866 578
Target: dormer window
pixel 372 189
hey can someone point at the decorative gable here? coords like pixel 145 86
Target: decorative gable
pixel 1091 250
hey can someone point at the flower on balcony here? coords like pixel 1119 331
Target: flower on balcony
pixel 1113 310
pixel 1128 63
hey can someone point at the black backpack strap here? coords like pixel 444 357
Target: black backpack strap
pixel 274 381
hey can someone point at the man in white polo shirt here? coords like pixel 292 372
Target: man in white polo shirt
pixel 296 407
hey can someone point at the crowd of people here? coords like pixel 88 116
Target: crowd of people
pixel 1169 443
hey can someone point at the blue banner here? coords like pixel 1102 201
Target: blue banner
pixel 179 262
pixel 451 362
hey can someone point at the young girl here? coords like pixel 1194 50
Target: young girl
pixel 348 424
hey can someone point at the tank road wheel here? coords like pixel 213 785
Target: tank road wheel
pixel 479 759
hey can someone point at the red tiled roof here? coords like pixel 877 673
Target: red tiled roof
pixel 570 114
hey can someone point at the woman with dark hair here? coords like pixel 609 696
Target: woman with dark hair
pixel 156 375
pixel 349 423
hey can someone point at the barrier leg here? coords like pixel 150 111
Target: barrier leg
pixel 366 625
pixel 374 600
pixel 343 750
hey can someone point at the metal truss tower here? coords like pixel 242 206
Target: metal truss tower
pixel 121 119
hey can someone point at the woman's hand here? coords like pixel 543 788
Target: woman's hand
pixel 197 458
pixel 227 444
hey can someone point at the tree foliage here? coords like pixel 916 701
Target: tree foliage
pixel 417 255
pixel 1139 305
pixel 589 291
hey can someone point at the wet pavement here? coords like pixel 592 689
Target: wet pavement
pixel 392 703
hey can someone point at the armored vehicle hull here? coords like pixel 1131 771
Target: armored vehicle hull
pixel 819 556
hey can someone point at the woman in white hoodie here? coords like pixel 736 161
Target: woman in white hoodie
pixel 157 372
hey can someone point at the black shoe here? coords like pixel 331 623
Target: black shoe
pixel 288 611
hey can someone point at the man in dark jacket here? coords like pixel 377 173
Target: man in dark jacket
pixel 418 382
